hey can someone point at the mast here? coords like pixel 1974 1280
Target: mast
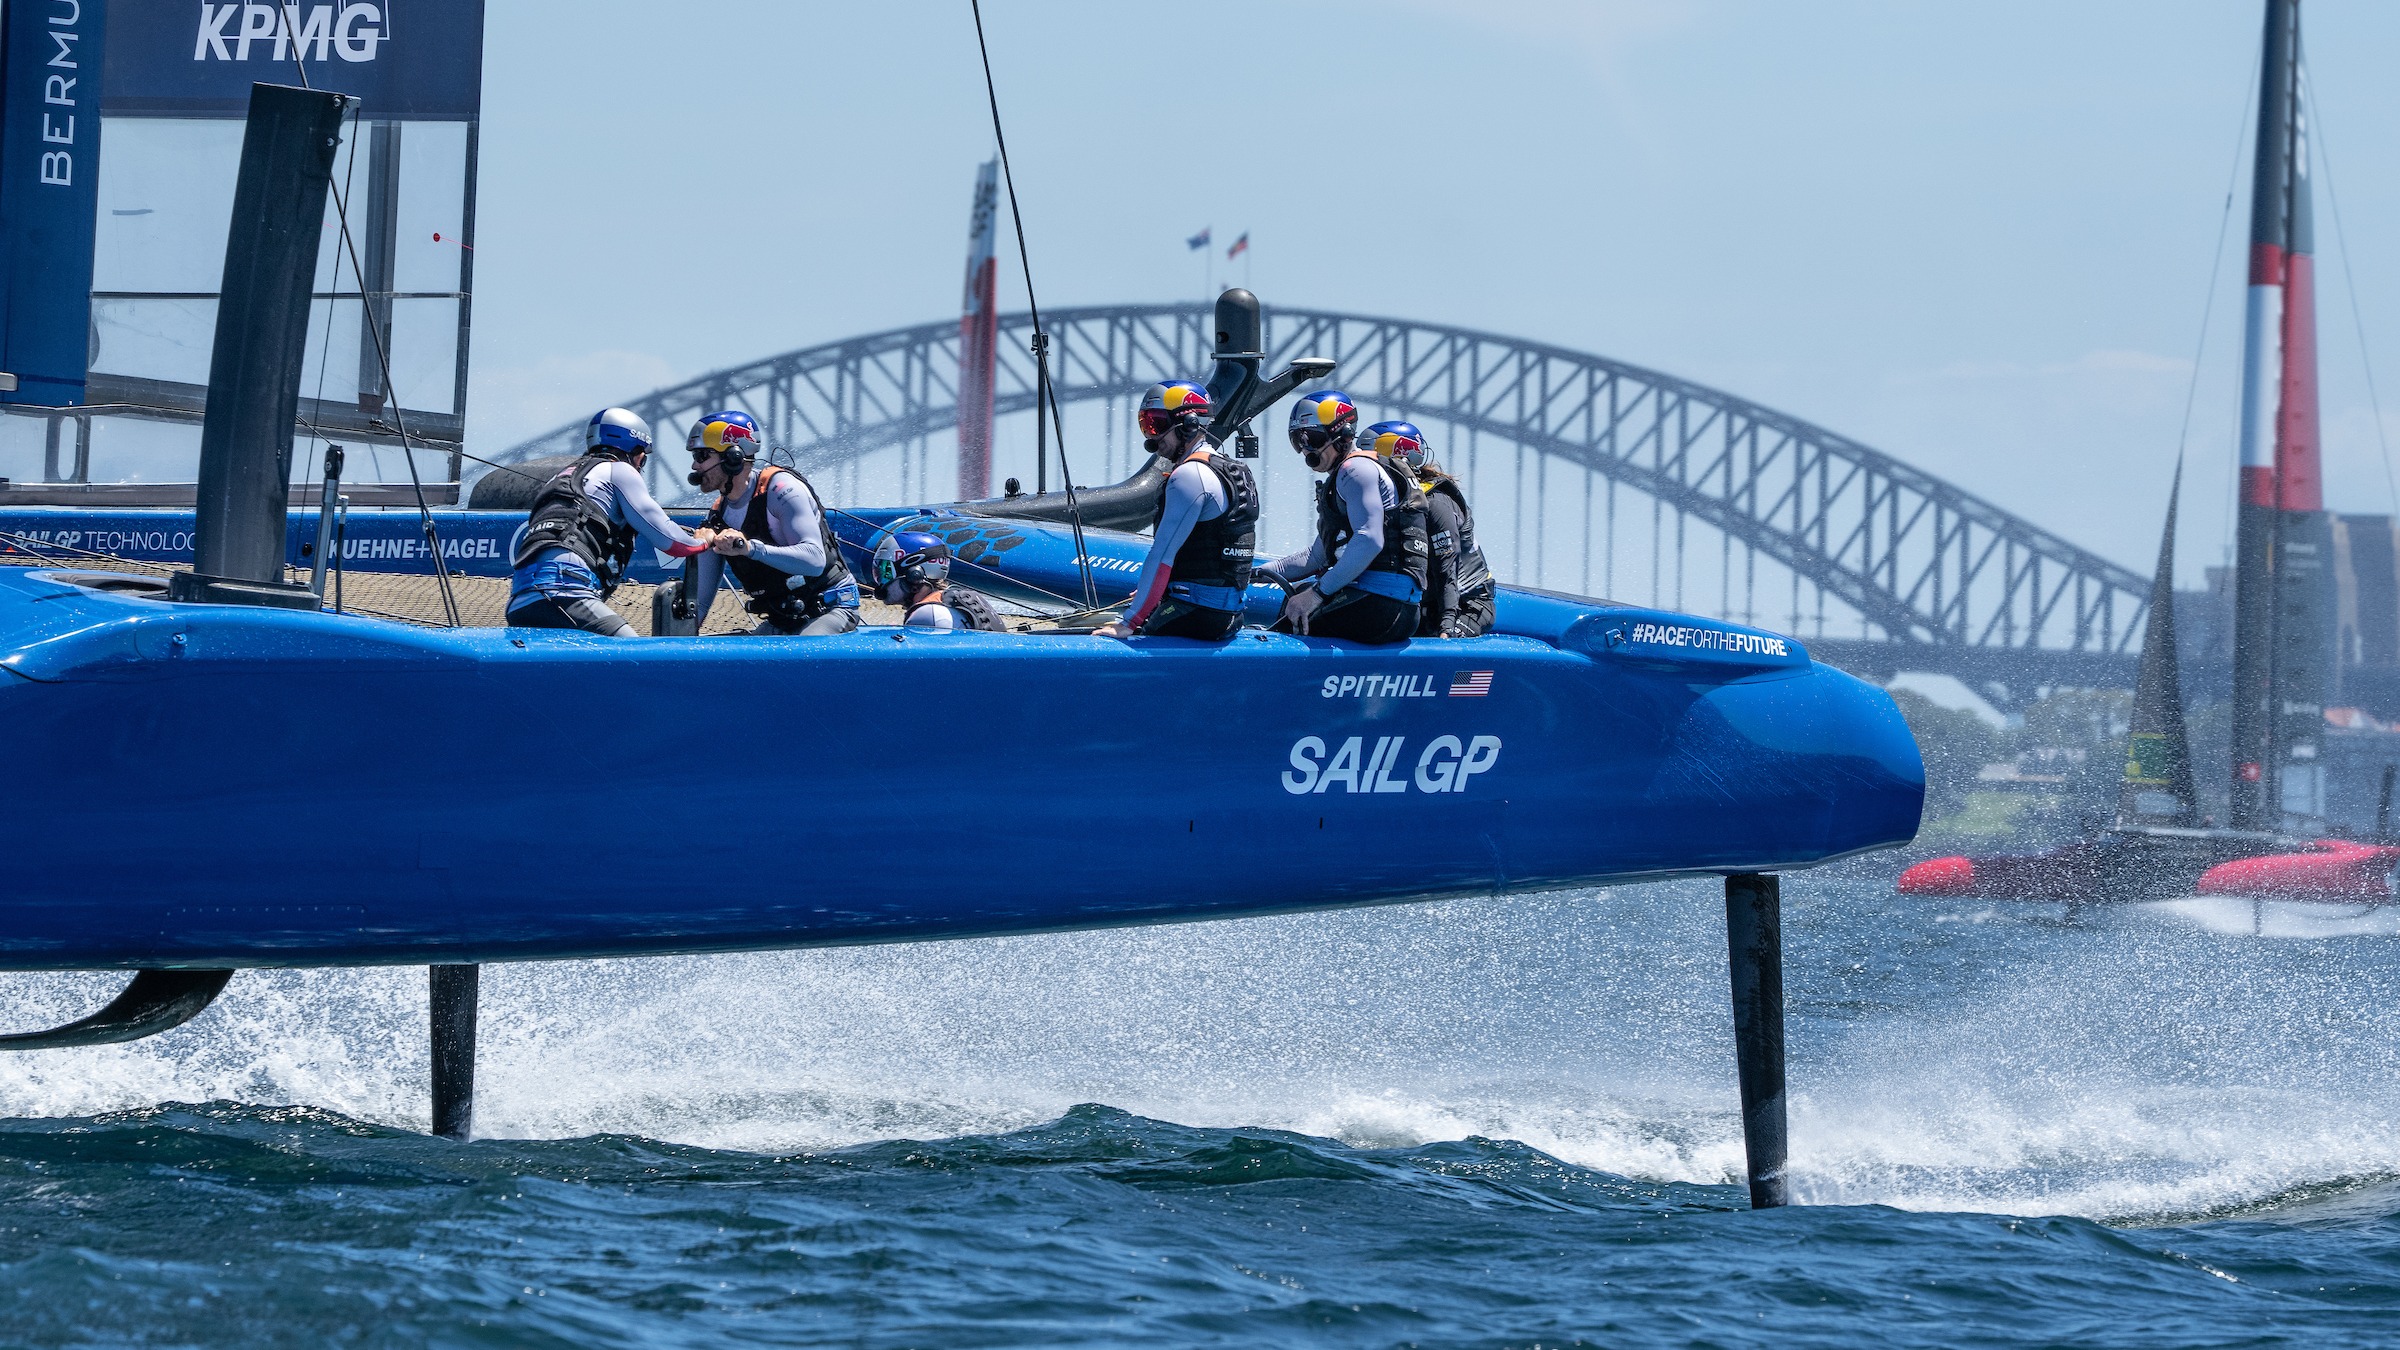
pixel 2282 653
pixel 2157 788
pixel 979 338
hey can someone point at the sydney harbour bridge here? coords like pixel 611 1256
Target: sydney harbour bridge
pixel 1587 474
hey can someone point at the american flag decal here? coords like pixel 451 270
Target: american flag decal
pixel 1471 684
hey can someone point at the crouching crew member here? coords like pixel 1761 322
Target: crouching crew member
pixel 1364 575
pixel 912 569
pixel 780 551
pixel 1458 583
pixel 1203 539
pixel 581 535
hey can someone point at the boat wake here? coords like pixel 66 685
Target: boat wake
pixel 2306 919
pixel 2134 1072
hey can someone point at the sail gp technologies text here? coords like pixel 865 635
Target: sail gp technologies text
pixel 1446 764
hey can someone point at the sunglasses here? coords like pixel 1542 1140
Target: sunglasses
pixel 1158 421
pixel 1312 438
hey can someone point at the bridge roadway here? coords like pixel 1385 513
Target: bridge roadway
pixel 1900 569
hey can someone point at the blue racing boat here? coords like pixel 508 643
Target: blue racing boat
pixel 230 776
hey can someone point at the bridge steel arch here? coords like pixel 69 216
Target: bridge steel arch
pixel 1928 565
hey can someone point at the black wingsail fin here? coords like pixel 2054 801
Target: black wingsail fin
pixel 2157 788
pixel 156 1001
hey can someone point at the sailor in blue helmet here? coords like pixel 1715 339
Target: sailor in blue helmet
pixel 585 523
pixel 771 534
pixel 1204 537
pixel 912 570
pixel 1363 575
pixel 1458 583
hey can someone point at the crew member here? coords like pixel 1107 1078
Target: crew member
pixel 1458 583
pixel 581 534
pixel 1203 539
pixel 912 569
pixel 1364 575
pixel 781 552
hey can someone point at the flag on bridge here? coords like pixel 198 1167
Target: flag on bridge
pixel 1240 247
pixel 1198 241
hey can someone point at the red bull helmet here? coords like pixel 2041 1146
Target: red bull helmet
pixel 1322 417
pixel 1172 404
pixel 1399 442
pixel 729 435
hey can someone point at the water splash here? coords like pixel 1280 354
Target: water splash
pixel 2136 1067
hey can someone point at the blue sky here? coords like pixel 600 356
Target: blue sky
pixel 1977 237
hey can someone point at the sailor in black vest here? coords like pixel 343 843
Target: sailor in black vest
pixel 771 535
pixel 1458 583
pixel 912 570
pixel 1204 535
pixel 585 523
pixel 1364 574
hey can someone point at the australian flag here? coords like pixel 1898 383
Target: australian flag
pixel 1198 241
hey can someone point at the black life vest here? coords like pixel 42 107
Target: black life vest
pixel 789 602
pixel 973 610
pixel 1219 552
pixel 565 517
pixel 1468 569
pixel 1405 550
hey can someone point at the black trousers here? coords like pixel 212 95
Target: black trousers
pixel 1360 616
pixel 1181 618
pixel 1474 617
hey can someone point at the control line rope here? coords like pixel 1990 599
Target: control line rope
pixel 383 356
pixel 1045 392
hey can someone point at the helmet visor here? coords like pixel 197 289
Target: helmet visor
pixel 1158 421
pixel 1311 438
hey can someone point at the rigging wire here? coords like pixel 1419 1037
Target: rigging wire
pixel 2358 320
pixel 325 345
pixel 383 356
pixel 1045 393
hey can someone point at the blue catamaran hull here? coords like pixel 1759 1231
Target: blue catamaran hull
pixel 216 785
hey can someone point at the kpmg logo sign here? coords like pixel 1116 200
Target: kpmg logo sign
pixel 406 60
pixel 351 31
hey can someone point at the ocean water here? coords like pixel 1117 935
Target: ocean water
pixel 1481 1123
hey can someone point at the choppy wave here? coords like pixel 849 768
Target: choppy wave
pixel 2139 1067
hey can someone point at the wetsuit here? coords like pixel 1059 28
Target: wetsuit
pixel 955 609
pixel 1195 580
pixel 578 542
pixel 793 575
pixel 1458 583
pixel 1368 559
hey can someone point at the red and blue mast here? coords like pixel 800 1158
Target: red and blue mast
pixel 2281 658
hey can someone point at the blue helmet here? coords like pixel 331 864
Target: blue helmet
pixel 1326 415
pixel 1400 442
pixel 614 431
pixel 908 559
